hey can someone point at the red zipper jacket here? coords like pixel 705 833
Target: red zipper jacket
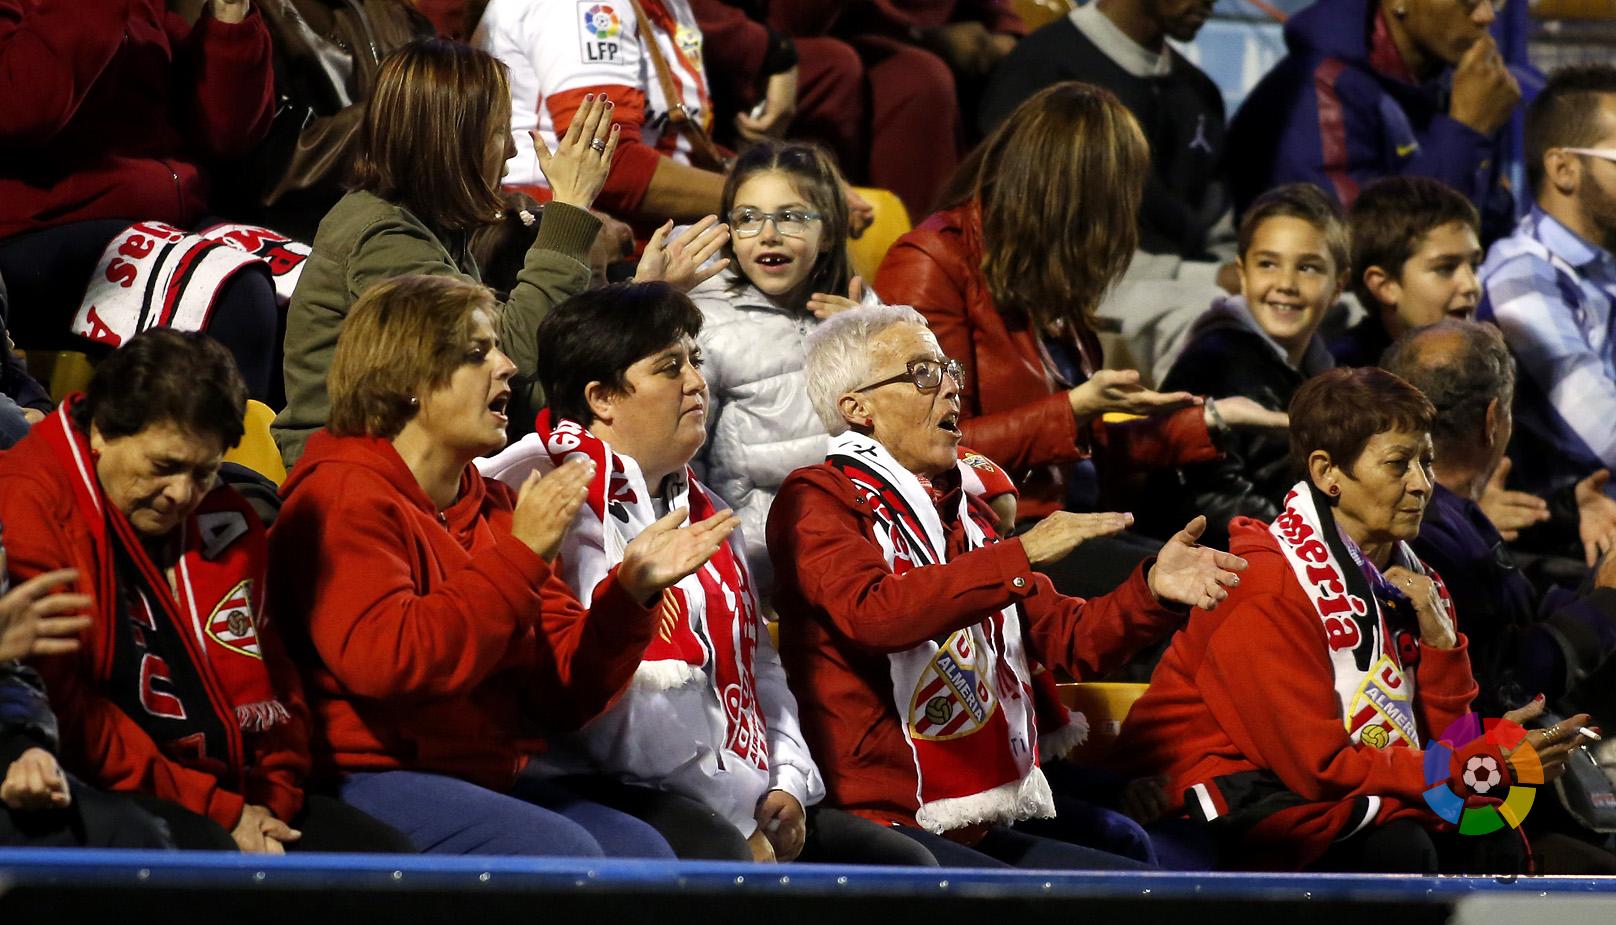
pixel 113 107
pixel 1244 702
pixel 433 641
pixel 1015 411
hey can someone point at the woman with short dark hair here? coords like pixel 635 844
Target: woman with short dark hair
pixel 1292 721
pixel 433 145
pixel 439 644
pixel 180 694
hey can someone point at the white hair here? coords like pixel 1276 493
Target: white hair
pixel 839 355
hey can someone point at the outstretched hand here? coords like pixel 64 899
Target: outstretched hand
pixel 682 262
pixel 35 621
pixel 1189 573
pixel 1119 390
pixel 576 170
pixel 546 506
pixel 1511 511
pixel 1054 537
pixel 665 552
pixel 1596 516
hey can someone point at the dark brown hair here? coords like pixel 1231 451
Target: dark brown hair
pixel 403 338
pixel 1566 114
pixel 1308 203
pixel 1338 411
pixel 433 129
pixel 161 375
pixel 1058 184
pixel 1391 216
pixel 814 174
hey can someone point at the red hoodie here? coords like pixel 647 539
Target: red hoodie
pixel 1243 702
pixel 110 105
pixel 433 641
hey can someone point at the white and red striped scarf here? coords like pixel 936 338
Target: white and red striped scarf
pixel 972 704
pixel 707 623
pixel 153 275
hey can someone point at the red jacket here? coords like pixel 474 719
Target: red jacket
pixel 44 530
pixel 434 641
pixel 1015 410
pixel 112 105
pixel 842 610
pixel 1248 688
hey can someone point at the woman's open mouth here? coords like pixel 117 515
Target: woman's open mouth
pixel 498 405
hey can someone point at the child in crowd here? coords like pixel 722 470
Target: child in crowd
pixel 788 269
pixel 1415 249
pixel 1261 344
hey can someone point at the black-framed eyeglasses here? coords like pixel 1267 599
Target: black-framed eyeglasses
pixel 793 223
pixel 925 374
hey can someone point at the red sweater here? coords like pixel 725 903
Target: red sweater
pixel 842 610
pixel 110 106
pixel 1015 411
pixel 44 531
pixel 1248 688
pixel 434 641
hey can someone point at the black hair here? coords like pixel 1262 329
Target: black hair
pixel 1565 114
pixel 161 375
pixel 597 335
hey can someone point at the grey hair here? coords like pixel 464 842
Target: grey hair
pixel 839 355
pixel 1461 366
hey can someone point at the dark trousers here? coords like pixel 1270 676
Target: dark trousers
pixel 327 825
pixel 95 819
pixel 1406 847
pixel 1004 846
pixel 47 272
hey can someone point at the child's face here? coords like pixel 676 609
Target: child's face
pixel 775 262
pixel 1438 281
pixel 1289 280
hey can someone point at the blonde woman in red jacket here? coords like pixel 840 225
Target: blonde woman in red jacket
pixel 438 643
pixel 1041 221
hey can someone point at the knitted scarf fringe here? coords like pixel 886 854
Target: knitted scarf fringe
pixel 1028 798
pixel 666 675
pixel 1058 744
pixel 257 717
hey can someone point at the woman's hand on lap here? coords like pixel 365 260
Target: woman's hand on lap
pixel 577 169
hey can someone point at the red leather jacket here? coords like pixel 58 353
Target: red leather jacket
pixel 1015 407
pixel 110 109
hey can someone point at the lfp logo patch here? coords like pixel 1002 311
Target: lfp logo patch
pixel 1472 753
pixel 598 35
pixel 602 22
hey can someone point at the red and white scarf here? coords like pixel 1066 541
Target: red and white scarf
pixel 708 623
pixel 1375 689
pixel 971 705
pixel 215 600
pixel 153 275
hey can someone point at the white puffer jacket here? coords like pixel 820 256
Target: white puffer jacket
pixel 760 424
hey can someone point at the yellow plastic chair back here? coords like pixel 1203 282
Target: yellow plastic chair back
pixel 61 372
pixel 1106 705
pixel 1037 13
pixel 257 450
pixel 891 223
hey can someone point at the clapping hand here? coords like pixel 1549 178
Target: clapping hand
pixel 825 304
pixel 1119 390
pixel 665 552
pixel 34 621
pixel 1188 573
pixel 546 506
pixel 682 262
pixel 1054 537
pixel 577 169
pixel 1511 511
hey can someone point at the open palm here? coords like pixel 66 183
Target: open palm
pixel 1188 573
pixel 665 552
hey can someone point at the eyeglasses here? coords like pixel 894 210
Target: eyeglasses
pixel 793 223
pixel 1608 154
pixel 925 374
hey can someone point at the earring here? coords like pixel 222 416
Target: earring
pixel 1400 11
pixel 415 402
pixel 1335 490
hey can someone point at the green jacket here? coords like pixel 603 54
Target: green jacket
pixel 364 240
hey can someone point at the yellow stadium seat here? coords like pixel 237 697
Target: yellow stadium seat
pixel 257 450
pixel 61 372
pixel 1037 13
pixel 1105 705
pixel 891 223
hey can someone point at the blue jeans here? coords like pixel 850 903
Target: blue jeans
pixel 446 815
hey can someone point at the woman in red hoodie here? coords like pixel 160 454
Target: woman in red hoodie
pixel 114 112
pixel 438 643
pixel 1291 721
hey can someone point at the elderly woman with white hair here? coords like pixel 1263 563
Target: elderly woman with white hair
pixel 915 637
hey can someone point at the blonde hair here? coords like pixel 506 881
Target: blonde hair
pixel 433 133
pixel 403 338
pixel 1058 184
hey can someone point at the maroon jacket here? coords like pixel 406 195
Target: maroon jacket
pixel 898 18
pixel 842 610
pixel 110 107
pixel 1015 410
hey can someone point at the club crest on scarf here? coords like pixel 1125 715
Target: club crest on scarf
pixel 951 699
pixel 231 623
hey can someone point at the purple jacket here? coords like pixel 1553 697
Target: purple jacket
pixel 1342 109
